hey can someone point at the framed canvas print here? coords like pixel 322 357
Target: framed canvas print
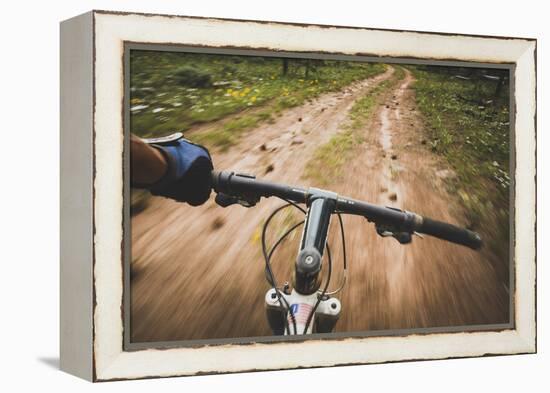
pixel 246 195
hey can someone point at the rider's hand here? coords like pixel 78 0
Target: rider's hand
pixel 188 175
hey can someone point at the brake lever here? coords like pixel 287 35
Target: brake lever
pixel 387 231
pixel 225 200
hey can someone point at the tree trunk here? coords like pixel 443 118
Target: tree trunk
pixel 285 66
pixel 499 88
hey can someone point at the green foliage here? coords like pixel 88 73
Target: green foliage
pixel 473 135
pixel 175 91
pixel 192 77
pixel 226 135
pixel 329 159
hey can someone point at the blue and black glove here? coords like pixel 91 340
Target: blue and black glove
pixel 188 178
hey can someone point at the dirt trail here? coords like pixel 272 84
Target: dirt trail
pixel 427 283
pixel 198 272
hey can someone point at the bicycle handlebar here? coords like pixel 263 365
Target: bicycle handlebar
pixel 451 233
pixel 248 188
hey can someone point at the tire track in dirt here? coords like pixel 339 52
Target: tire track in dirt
pixel 429 283
pixel 197 272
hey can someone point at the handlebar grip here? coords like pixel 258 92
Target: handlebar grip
pixel 451 233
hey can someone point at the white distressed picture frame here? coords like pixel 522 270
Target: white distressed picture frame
pixel 92 151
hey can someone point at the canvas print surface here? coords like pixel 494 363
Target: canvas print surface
pixel 433 140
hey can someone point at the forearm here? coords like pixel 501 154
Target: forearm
pixel 148 165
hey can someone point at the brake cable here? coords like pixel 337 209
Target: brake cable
pixel 322 295
pixel 344 276
pixel 267 259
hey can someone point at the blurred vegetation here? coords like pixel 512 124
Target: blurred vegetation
pixel 467 115
pixel 176 91
pixel 329 160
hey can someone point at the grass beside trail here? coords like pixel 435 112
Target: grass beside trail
pixel 328 161
pixel 175 91
pixel 467 122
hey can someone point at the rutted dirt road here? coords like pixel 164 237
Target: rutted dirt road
pixel 198 273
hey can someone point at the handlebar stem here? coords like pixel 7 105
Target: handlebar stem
pixel 314 237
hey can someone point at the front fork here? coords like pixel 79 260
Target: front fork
pixel 324 320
